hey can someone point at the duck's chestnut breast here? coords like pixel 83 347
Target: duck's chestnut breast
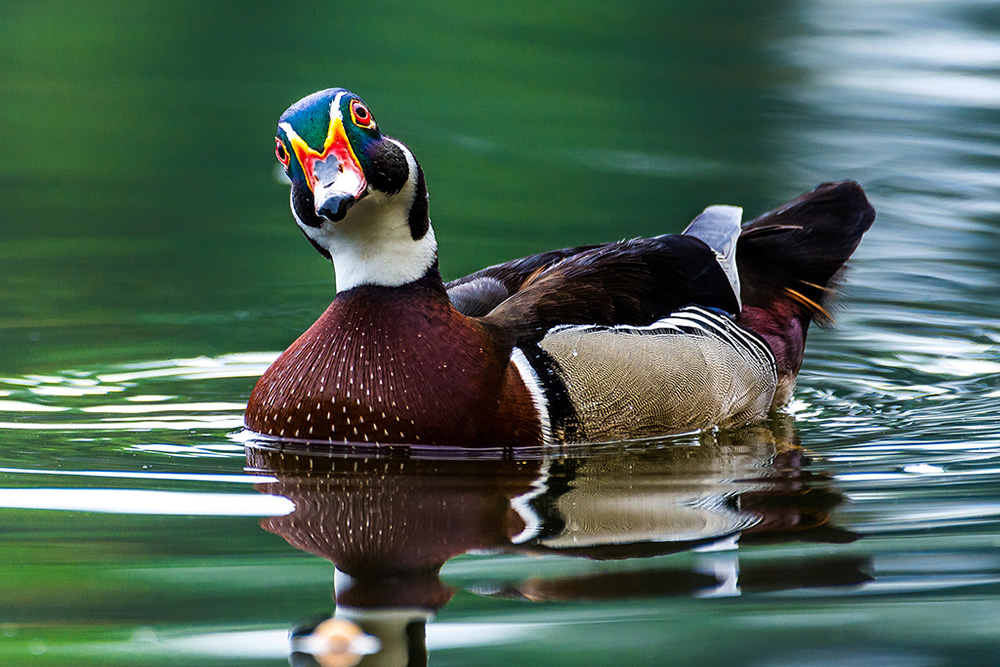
pixel 395 365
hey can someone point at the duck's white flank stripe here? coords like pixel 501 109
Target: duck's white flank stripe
pixel 534 385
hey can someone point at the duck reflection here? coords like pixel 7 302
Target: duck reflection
pixel 389 520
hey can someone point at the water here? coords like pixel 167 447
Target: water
pixel 153 271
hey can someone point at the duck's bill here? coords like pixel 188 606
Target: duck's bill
pixel 334 198
pixel 334 175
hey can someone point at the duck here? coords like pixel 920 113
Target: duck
pixel 616 341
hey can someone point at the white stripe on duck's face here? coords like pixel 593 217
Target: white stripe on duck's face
pixel 378 236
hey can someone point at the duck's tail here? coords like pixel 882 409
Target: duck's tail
pixel 790 260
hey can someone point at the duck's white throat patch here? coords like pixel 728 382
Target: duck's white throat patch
pixel 383 257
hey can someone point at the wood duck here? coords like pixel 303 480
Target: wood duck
pixel 630 339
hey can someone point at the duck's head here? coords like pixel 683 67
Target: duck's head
pixel 357 195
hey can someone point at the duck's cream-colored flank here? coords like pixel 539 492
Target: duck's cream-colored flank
pixel 688 371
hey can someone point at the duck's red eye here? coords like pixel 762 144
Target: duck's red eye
pixel 281 152
pixel 361 116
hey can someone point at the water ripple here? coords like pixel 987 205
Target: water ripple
pixel 78 400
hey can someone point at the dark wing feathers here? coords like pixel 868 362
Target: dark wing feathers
pixel 480 292
pixel 792 253
pixel 630 282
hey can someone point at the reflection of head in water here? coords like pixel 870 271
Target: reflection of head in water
pixel 372 638
pixel 331 642
pixel 390 522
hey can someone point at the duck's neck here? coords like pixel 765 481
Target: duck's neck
pixel 387 239
pixel 385 256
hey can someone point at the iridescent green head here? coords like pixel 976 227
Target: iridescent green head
pixel 349 181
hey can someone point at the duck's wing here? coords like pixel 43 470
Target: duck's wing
pixel 631 282
pixel 478 293
pixel 718 227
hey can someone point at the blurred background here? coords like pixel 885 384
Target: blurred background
pixel 150 269
pixel 142 217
